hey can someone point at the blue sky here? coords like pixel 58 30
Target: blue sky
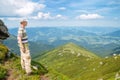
pixel 61 12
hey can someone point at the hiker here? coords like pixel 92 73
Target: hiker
pixel 24 48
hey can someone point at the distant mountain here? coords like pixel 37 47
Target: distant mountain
pixel 96 30
pixel 116 50
pixel 114 34
pixel 77 63
pixel 36 48
pixel 48 33
pixel 99 30
pixel 91 38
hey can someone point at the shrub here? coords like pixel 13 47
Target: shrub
pixel 3 52
pixel 3 72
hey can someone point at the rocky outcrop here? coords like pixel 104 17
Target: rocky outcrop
pixel 3 31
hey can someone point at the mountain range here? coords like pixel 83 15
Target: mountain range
pixel 115 33
pixel 98 40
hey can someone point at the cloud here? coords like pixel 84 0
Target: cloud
pixel 82 11
pixel 29 8
pixel 59 16
pixel 62 8
pixel 89 16
pixel 46 16
pixel 19 7
pixel 39 16
pixel 16 18
pixel 42 15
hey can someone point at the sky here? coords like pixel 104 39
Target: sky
pixel 39 13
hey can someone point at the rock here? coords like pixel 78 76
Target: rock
pixel 106 57
pixel 100 79
pixel 117 76
pixel 78 54
pixel 3 31
pixel 35 67
pixel 101 63
pixel 114 54
pixel 94 69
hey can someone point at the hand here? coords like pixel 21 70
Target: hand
pixel 23 49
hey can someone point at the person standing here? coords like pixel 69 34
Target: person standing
pixel 24 48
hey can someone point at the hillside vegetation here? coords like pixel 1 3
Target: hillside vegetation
pixel 77 63
pixel 10 68
pixel 67 62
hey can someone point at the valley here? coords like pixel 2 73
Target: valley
pixel 98 40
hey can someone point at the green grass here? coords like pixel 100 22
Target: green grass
pixel 13 68
pixel 10 68
pixel 3 72
pixel 68 62
pixel 54 75
pixel 3 52
pixel 106 71
pixel 87 66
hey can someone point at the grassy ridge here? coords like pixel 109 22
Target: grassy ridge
pixel 78 63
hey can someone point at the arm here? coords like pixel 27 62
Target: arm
pixel 20 34
pixel 20 41
pixel 20 44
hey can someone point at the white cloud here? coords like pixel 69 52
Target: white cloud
pixel 62 8
pixel 29 8
pixel 89 16
pixel 15 18
pixel 82 11
pixel 19 7
pixel 42 15
pixel 46 16
pixel 59 16
pixel 39 16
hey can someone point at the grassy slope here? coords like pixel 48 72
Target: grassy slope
pixel 3 52
pixel 68 62
pixel 67 59
pixel 105 69
pixel 76 63
pixel 10 68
